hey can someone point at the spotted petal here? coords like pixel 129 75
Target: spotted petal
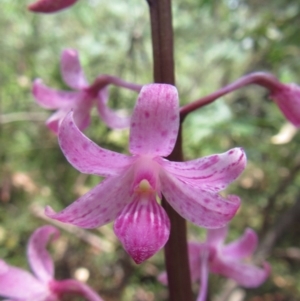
pixel 143 227
pixel 71 70
pixel 39 259
pixel 203 208
pixel 155 121
pixel 110 117
pixel 19 284
pixel 52 99
pixel 85 155
pixel 213 173
pixel 242 247
pixel 50 6
pixel 99 206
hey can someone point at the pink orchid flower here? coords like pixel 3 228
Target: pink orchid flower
pixel 215 257
pixel 20 285
pixel 287 97
pixel 82 100
pixel 129 193
pixel 50 6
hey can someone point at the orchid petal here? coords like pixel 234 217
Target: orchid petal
pixel 82 119
pixel 50 6
pixel 155 121
pixel 213 173
pixel 242 247
pixel 51 99
pixel 109 116
pixel 39 259
pixel 216 237
pixel 17 283
pixel 82 109
pixel 81 113
pixel 99 206
pixel 54 121
pixel 288 100
pixel 85 155
pixel 71 70
pixel 247 275
pixel 143 227
pixel 74 287
pixel 203 208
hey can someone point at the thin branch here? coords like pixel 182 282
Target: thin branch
pixel 263 79
pixel 23 116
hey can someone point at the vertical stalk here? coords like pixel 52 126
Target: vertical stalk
pixel 176 256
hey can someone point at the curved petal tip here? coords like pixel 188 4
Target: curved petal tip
pixel 287 97
pixel 50 6
pixel 49 212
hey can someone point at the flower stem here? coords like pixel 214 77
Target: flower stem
pixel 263 79
pixel 104 80
pixel 176 255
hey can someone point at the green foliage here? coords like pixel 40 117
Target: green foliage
pixel 216 42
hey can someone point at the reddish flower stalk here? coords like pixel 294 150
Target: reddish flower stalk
pixel 263 79
pixel 176 256
pixel 104 80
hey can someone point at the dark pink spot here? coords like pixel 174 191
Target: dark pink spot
pixel 103 210
pixel 147 114
pixel 164 133
pixel 231 152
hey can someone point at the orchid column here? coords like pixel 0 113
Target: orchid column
pixel 176 256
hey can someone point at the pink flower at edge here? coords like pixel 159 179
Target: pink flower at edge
pixel 129 193
pixel 20 285
pixel 226 260
pixel 50 6
pixel 81 100
pixel 287 97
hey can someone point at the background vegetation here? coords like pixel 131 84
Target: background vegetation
pixel 216 42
